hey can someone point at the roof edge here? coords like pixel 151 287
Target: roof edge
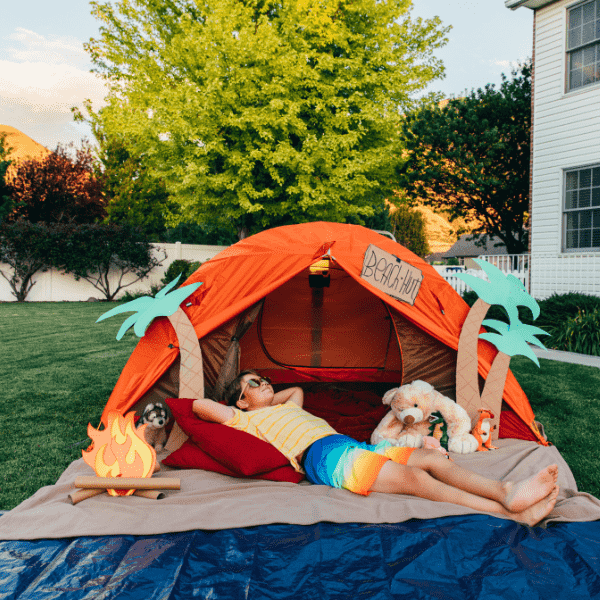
pixel 532 4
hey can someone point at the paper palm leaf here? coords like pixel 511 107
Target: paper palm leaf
pixel 505 290
pixel 514 340
pixel 147 309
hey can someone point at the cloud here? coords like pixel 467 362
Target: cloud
pixel 51 50
pixel 43 78
pixel 40 85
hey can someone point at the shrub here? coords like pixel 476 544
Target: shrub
pixel 555 310
pixel 179 266
pixel 129 296
pixel 578 334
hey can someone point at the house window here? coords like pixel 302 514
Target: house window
pixel 582 209
pixel 583 45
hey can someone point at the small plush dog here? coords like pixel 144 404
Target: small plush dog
pixel 155 415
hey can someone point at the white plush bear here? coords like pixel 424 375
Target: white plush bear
pixel 408 421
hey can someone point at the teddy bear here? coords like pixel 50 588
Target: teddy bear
pixel 408 421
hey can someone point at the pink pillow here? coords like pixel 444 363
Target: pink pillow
pixel 189 456
pixel 241 453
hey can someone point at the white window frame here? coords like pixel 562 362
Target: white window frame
pixel 593 44
pixel 594 209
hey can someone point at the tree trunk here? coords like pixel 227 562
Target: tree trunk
pixel 191 371
pixel 467 379
pixel 491 397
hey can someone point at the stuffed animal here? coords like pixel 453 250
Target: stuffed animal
pixel 483 432
pixel 408 421
pixel 439 428
pixel 157 418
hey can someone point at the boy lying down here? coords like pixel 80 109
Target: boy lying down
pixel 328 458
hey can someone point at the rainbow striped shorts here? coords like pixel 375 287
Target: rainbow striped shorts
pixel 341 462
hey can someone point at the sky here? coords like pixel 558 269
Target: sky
pixel 44 70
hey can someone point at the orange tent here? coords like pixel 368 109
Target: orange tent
pixel 261 294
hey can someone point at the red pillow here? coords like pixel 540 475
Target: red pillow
pixel 243 454
pixel 189 456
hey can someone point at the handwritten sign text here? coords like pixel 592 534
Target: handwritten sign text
pixel 391 275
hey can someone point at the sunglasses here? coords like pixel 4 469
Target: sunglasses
pixel 254 383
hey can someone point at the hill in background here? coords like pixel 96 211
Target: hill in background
pixel 23 146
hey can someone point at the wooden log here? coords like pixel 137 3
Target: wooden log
pixel 152 494
pixel 128 483
pixel 80 495
pixel 84 494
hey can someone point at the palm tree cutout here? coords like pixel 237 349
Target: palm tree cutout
pixel 511 341
pixel 191 373
pixel 508 292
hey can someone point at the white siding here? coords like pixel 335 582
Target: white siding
pixel 566 134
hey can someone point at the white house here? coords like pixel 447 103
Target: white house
pixel 565 186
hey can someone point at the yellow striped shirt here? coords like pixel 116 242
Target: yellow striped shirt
pixel 286 426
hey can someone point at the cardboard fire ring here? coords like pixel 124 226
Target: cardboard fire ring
pixel 123 462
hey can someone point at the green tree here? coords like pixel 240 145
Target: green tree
pixel 409 229
pixel 104 254
pixel 133 195
pixel 194 233
pixel 472 158
pixel 26 248
pixel 260 114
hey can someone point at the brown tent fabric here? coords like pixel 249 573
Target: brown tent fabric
pixel 350 331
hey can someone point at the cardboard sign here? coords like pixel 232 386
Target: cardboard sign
pixel 391 275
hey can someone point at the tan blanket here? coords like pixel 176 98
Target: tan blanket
pixel 213 501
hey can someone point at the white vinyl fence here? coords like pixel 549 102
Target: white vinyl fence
pixel 515 264
pixel 542 274
pixel 57 286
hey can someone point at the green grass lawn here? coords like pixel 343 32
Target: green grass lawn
pixel 58 368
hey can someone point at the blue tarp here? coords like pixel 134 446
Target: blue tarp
pixel 451 558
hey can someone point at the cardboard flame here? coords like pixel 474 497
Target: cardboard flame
pixel 119 450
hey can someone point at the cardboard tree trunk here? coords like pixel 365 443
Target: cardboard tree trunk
pixel 191 371
pixel 467 374
pixel 491 397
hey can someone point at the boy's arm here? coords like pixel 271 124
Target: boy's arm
pixel 294 394
pixel 209 410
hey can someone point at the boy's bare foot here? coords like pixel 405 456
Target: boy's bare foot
pixel 520 495
pixel 534 514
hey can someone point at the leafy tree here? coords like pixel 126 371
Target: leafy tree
pixel 58 188
pixel 93 251
pixel 261 114
pixel 472 158
pixel 409 229
pixel 379 221
pixel 193 233
pixel 26 248
pixel 133 195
